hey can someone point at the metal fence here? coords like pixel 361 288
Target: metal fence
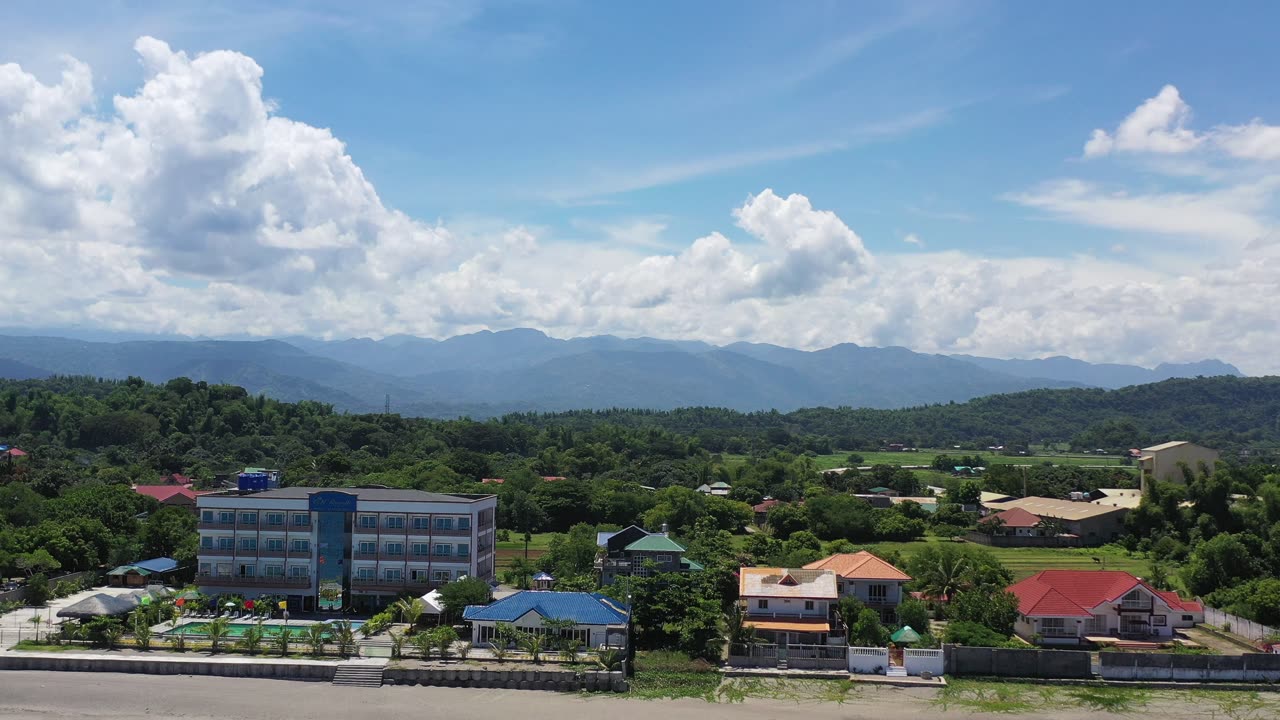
pixel 1239 626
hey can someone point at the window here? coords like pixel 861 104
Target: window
pixel 418 575
pixel 248 543
pixel 368 547
pixel 1053 626
pixel 1096 624
pixel 249 518
pixel 298 571
pixel 395 548
pixel 444 523
pixel 840 588
pixel 205 568
pixel 300 546
pixel 302 520
pixel 1159 620
pixel 421 523
pixel 206 516
pixel 248 571
pixel 224 570
pixel 464 549
pixel 464 523
pixel 421 549
pixel 275 519
pixel 273 571
pixel 392 574
pixel 762 604
pixel 444 549
pixel 1136 600
pixel 226 543
pixel 395 522
pixel 275 544
pixel 440 575
pixel 1188 618
pixel 364 573
pixel 808 604
pixel 662 559
pixel 206 542
pixel 227 516
pixel 877 593
pixel 369 522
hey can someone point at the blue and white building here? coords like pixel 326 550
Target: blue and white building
pixel 598 620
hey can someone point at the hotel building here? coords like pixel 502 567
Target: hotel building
pixel 328 549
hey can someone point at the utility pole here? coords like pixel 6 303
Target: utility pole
pixel 386 407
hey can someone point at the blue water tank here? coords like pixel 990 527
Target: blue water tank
pixel 252 482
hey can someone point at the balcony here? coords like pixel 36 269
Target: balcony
pixel 215 525
pixel 216 552
pixel 391 557
pixel 242 525
pixel 268 553
pixel 381 585
pixel 247 552
pixel 299 553
pixel 254 581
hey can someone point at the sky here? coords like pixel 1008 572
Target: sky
pixel 1011 179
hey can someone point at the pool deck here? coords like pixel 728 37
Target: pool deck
pixel 167 628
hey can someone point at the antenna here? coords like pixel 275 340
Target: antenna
pixel 386 407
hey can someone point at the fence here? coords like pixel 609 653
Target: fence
pixel 868 661
pixel 1012 662
pixel 817 657
pixel 20 594
pixel 753 655
pixel 917 661
pixel 1239 626
pixel 1193 668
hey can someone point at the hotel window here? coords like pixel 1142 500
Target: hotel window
pixel 395 548
pixel 440 575
pixel 444 523
pixel 206 568
pixel 369 522
pixel 392 574
pixel 300 546
pixel 273 571
pixel 248 571
pixel 302 520
pixel 762 604
pixel 662 559
pixel 444 549
pixel 248 543
pixel 298 571
pixel 421 523
pixel 275 519
pixel 877 593
pixel 250 518
pixel 464 523
pixel 368 547
pixel 227 516
pixel 206 516
pixel 421 549
pixel 464 549
pixel 808 604
pixel 275 544
pixel 418 575
pixel 226 543
pixel 364 573
pixel 206 542
pixel 224 570
pixel 395 522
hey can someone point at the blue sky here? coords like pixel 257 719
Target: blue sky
pixel 631 130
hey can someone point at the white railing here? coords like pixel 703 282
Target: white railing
pixel 868 660
pixel 918 661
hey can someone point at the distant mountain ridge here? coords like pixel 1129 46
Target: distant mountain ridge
pixel 487 373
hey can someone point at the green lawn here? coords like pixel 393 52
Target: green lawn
pixel 1027 561
pixel 504 551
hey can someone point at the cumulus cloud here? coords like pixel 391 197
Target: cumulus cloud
pixel 913 239
pixel 1159 125
pixel 193 206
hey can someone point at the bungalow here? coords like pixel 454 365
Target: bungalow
pixel 598 620
pixel 143 573
pixel 1069 606
pixel 169 495
pixel 1017 527
pixel 719 489
pixel 788 605
pixel 875 582
pixel 762 510
pixel 634 551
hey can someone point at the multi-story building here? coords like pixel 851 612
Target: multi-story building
pixel 788 605
pixel 1163 462
pixel 634 551
pixel 874 582
pixel 328 549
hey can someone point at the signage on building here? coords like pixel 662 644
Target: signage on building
pixel 331 502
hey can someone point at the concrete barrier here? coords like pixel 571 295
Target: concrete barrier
pixel 319 671
pixel 1190 668
pixel 1016 662
pixel 554 680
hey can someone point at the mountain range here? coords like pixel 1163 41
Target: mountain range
pixel 491 373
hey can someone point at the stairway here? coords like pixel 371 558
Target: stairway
pixel 896 671
pixel 358 675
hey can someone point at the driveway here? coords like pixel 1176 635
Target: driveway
pixel 1211 641
pixel 17 625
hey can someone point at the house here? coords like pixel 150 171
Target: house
pixel 544 581
pixel 1163 462
pixel 598 620
pixel 143 573
pixel 788 605
pixel 634 551
pixel 169 495
pixel 887 492
pixel 876 501
pixel 1093 524
pixel 874 582
pixel 1069 606
pixel 762 510
pixel 928 503
pixel 499 481
pixel 1017 527
pixel 720 489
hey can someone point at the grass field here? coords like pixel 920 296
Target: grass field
pixel 1027 561
pixel 504 551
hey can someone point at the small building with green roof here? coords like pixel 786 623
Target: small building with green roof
pixel 647 554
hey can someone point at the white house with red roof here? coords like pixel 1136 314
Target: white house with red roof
pixel 1069 606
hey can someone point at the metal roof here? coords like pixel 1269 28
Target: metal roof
pixel 655 543
pixel 580 607
pixel 365 494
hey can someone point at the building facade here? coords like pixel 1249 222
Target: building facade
pixel 1091 524
pixel 873 581
pixel 1163 462
pixel 330 549
pixel 788 605
pixel 1060 607
pixel 634 551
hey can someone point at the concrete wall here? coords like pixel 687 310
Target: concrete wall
pixel 921 661
pixel 168 666
pixel 1013 662
pixel 1192 668
pixel 21 593
pixel 560 680
pixel 868 661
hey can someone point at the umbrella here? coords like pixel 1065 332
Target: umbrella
pixel 229 604
pixel 190 595
pixel 146 600
pixel 99 605
pixel 905 635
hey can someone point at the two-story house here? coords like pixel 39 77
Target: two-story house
pixel 634 551
pixel 1067 606
pixel 873 581
pixel 788 605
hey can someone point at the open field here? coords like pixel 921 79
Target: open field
pixel 926 456
pixel 505 551
pixel 1027 561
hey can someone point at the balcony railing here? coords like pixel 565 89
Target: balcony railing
pixel 299 553
pixel 255 580
pixel 272 553
pixel 215 525
pixel 246 525
pixel 217 551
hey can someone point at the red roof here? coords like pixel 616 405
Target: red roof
pixel 164 492
pixel 1075 593
pixel 499 481
pixel 14 452
pixel 1015 518
pixel 766 505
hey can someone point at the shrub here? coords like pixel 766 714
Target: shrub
pixel 38 590
pixel 963 632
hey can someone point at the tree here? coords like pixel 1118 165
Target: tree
pixel 914 613
pixel 37 590
pixel 867 631
pixel 573 553
pixel 316 634
pixel 974 635
pixel 252 639
pixel 457 595
pixel 216 630
pixel 849 608
pixel 345 636
pixel 995 610
pixel 410 610
pixel 36 561
pixel 787 518
pixel 425 643
pixel 943 569
pixel 968 492
pixel 709 544
pixel 534 644
pixel 281 640
pixel 141 629
pixel 833 517
pixel 170 532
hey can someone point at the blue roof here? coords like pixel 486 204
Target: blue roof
pixel 158 565
pixel 582 608
pixel 543 576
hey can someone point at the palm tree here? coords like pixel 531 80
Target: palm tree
pixel 424 642
pixel 141 631
pixel 946 573
pixel 253 638
pixel 569 649
pixel 533 643
pixel 444 637
pixel 610 658
pixel 180 642
pixel 281 640
pixel 111 635
pixel 519 571
pixel 217 631
pixel 397 644
pixel 345 635
pixel 410 610
pixel 316 635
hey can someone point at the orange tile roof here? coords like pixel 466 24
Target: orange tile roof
pixel 790 625
pixel 859 566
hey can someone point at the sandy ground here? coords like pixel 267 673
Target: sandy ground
pixel 50 696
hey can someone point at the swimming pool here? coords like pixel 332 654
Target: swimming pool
pixel 237 630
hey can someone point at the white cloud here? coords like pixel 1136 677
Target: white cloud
pixel 913 239
pixel 1159 126
pixel 193 206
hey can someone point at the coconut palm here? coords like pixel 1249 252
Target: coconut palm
pixel 610 658
pixel 424 642
pixel 499 650
pixel 410 610
pixel 281 640
pixel 217 630
pixel 946 572
pixel 180 642
pixel 141 631
pixel 111 635
pixel 397 644
pixel 345 635
pixel 316 634
pixel 569 649
pixel 534 644
pixel 253 637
